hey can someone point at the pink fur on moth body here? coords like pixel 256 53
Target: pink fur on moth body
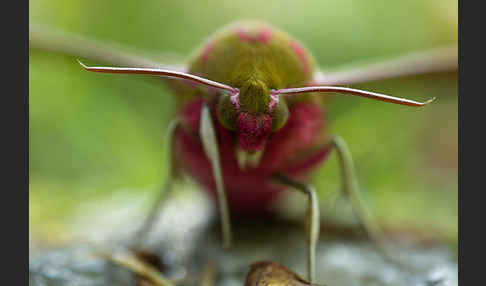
pixel 246 56
pixel 251 191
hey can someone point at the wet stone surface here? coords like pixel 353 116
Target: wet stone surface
pixel 186 247
pixel 339 263
pixel 77 265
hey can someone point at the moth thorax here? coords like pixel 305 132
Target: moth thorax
pixel 254 96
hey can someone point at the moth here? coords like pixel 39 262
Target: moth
pixel 250 118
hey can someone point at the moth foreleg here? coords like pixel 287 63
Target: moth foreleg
pixel 210 145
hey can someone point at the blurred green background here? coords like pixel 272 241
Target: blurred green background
pixel 93 136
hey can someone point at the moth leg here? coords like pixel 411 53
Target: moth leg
pixel 147 225
pixel 313 220
pixel 350 191
pixel 210 146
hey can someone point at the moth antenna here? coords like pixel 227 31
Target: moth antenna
pixel 346 90
pixel 161 72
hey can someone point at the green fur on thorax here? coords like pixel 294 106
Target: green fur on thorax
pixel 253 67
pixel 254 95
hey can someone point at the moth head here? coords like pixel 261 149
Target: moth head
pixel 253 114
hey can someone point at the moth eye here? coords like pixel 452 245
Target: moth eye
pixel 280 115
pixel 226 113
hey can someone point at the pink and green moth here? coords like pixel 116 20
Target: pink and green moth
pixel 250 118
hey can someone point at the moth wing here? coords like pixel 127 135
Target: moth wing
pixel 442 59
pixel 49 39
